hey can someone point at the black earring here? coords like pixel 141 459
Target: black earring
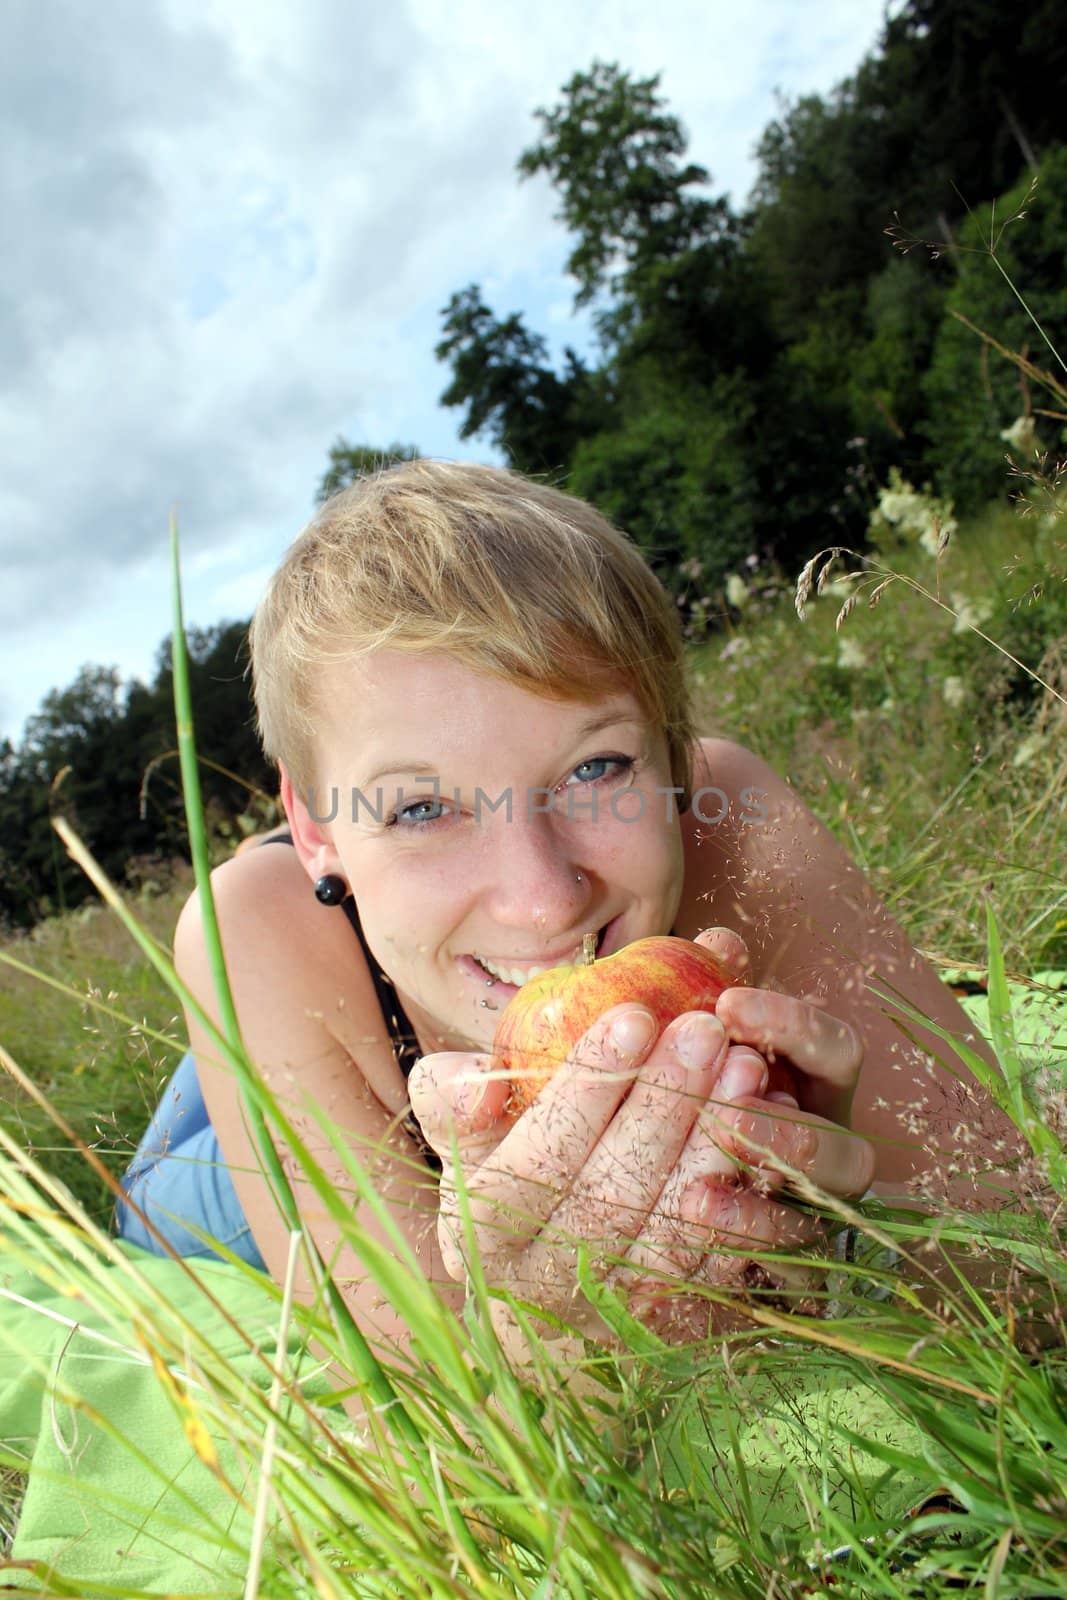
pixel 330 890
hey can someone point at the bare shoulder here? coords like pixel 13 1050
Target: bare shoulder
pixel 721 764
pixel 757 858
pixel 300 982
pixel 266 915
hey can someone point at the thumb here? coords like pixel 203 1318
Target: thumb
pixel 727 947
pixel 457 1095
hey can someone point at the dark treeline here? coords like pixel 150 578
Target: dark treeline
pixel 105 758
pixel 758 372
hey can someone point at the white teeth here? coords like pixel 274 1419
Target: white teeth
pixel 520 975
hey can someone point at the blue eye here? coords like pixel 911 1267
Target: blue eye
pixel 418 814
pixel 584 772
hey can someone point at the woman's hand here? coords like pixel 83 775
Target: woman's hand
pixel 621 1152
pixel 808 1133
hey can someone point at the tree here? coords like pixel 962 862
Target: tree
pixel 973 392
pixel 614 153
pixel 676 476
pixel 959 99
pixel 72 719
pixel 104 757
pixel 501 375
pixel 977 88
pixel 350 462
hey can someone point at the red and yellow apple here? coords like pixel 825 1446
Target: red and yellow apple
pixel 544 1021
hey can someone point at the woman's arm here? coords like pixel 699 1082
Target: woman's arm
pixel 314 1029
pixel 816 930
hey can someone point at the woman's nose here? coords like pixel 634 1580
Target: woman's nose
pixel 536 880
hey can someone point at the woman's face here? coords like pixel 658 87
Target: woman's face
pixel 485 830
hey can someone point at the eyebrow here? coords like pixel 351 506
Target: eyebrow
pixel 606 718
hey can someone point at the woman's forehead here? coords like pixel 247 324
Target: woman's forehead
pixel 415 679
pixel 401 703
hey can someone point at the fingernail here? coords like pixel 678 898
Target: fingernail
pixel 470 1092
pixel 741 1078
pixel 711 1202
pixel 632 1033
pixel 755 1012
pixel 782 1098
pixel 700 1202
pixel 700 1041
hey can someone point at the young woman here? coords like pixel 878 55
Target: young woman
pixel 474 690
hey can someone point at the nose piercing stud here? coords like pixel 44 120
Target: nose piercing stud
pixel 577 877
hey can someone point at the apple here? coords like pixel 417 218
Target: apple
pixel 544 1021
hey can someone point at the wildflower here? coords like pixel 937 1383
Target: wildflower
pixel 970 613
pixel 954 691
pixel 737 646
pixel 850 654
pixel 736 591
pixel 937 530
pixel 916 512
pixel 691 569
pixel 1028 749
pixel 1021 436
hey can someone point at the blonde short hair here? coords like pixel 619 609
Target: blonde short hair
pixel 508 576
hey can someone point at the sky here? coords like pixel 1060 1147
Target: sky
pixel 229 228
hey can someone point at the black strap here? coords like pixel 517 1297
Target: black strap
pixel 406 1047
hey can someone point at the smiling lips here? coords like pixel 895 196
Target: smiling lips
pixel 517 976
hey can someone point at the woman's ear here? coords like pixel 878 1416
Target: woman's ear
pixel 310 828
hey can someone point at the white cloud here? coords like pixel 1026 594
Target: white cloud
pixel 234 225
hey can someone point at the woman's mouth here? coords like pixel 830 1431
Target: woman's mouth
pixel 505 977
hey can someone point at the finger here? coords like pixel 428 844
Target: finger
pixel 713 1240
pixel 742 1075
pixel 727 947
pixel 780 1142
pixel 701 1160
pixel 750 1247
pixel 638 1151
pixel 609 1202
pixel 823 1047
pixel 455 1094
pixel 519 1185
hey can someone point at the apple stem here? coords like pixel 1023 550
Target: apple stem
pixel 589 949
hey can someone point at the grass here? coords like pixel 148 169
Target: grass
pixel 786 1461
pixel 920 746
pixel 95 1029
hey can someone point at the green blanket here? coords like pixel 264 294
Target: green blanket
pixel 129 1487
pixel 124 1491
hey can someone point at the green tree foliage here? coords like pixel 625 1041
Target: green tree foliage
pixel 656 436
pixel 761 372
pixel 614 155
pixel 973 90
pixel 349 462
pixel 105 757
pixel 973 392
pixel 511 395
pixel 675 476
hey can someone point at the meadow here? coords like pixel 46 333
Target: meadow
pixel 920 707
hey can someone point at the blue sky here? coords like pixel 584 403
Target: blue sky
pixel 231 227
